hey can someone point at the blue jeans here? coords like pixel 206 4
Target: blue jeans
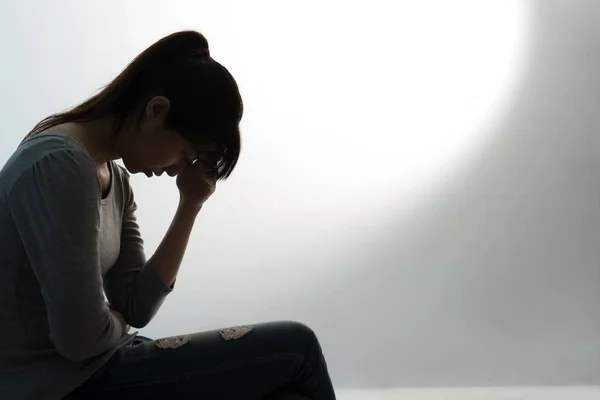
pixel 268 361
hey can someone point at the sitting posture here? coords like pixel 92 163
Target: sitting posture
pixel 70 241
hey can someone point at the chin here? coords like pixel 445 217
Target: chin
pixel 131 169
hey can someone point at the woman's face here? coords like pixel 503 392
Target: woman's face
pixel 153 149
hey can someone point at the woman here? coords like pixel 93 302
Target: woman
pixel 70 238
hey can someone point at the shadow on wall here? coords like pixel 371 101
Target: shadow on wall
pixel 496 280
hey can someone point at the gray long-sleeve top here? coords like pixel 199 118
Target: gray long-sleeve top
pixel 64 251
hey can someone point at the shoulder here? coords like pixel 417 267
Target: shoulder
pixel 48 159
pixel 61 150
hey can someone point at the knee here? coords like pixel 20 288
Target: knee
pixel 302 333
pixel 304 341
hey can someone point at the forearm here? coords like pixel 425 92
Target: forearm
pixel 169 254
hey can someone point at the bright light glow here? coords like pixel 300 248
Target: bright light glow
pixel 352 110
pixel 368 98
pixel 372 98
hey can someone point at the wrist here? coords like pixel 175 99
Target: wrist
pixel 189 207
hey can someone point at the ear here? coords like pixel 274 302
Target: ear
pixel 158 108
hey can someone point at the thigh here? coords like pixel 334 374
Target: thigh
pixel 220 364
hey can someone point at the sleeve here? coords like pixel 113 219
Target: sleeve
pixel 55 207
pixel 132 286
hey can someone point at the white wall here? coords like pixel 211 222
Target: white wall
pixel 418 181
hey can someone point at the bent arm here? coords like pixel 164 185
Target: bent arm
pixel 136 287
pixel 55 207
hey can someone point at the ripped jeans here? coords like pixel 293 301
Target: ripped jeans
pixel 268 361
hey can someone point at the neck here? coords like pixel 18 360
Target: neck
pixel 98 138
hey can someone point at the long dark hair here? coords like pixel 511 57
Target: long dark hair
pixel 206 105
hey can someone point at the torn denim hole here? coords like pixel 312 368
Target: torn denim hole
pixel 235 332
pixel 173 342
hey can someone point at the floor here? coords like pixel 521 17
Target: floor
pixel 506 393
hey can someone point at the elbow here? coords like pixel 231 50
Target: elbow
pixel 139 325
pixel 139 321
pixel 139 317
